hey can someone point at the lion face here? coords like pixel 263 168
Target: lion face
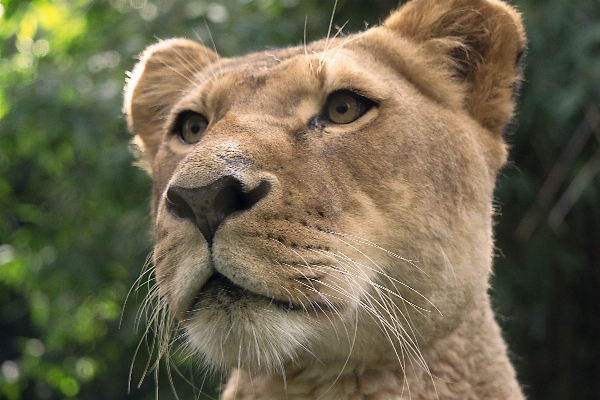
pixel 331 200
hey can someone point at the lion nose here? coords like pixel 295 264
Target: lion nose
pixel 208 206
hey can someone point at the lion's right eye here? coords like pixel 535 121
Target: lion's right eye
pixel 344 107
pixel 191 127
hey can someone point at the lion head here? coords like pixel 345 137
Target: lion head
pixel 331 201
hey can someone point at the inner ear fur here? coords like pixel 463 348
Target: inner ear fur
pixel 481 41
pixel 165 71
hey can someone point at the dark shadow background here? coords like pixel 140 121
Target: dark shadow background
pixel 74 230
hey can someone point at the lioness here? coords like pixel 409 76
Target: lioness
pixel 323 213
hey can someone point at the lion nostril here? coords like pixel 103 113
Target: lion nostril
pixel 208 206
pixel 178 206
pixel 254 196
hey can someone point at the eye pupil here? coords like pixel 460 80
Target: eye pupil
pixel 342 108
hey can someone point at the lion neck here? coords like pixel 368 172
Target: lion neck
pixel 470 363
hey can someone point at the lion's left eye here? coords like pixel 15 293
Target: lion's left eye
pixel 344 107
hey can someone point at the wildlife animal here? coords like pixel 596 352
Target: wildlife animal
pixel 323 213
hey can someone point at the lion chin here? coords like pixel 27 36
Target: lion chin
pixel 323 213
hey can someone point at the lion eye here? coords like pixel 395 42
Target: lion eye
pixel 344 107
pixel 192 128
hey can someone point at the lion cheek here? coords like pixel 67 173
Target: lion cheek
pixel 183 264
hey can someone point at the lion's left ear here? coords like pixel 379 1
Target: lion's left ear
pixel 481 41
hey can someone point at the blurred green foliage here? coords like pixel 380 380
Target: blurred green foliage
pixel 74 225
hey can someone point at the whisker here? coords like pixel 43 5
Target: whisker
pixel 379 270
pixel 361 240
pixel 322 57
pixel 308 60
pixel 373 284
pixel 353 342
pixel 349 39
pixel 214 48
pixel 146 269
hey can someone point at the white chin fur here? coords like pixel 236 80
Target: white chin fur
pixel 259 337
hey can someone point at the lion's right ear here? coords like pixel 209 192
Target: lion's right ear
pixel 479 42
pixel 165 70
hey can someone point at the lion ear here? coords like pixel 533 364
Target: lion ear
pixel 481 41
pixel 165 70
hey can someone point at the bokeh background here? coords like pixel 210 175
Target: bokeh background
pixel 74 225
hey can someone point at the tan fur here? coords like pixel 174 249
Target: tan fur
pixel 361 271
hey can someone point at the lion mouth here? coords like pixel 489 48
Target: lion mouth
pixel 219 288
